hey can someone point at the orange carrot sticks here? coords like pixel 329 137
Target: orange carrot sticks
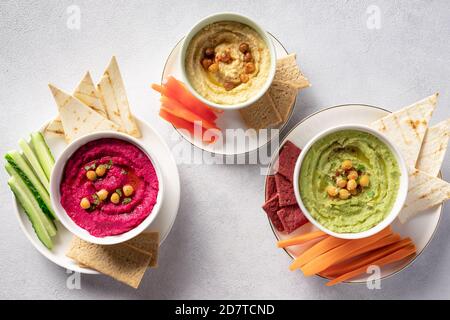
pixel 393 257
pixel 345 267
pixel 300 239
pixel 340 253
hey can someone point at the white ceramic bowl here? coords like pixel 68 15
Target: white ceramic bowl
pixel 401 196
pixel 229 16
pixel 55 195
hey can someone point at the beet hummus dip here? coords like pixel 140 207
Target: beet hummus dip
pixel 109 186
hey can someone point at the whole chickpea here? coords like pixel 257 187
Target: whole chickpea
pixel 213 68
pixel 115 198
pixel 244 78
pixel 249 67
pixel 353 175
pixel 243 47
pixel 332 191
pixel 341 182
pixel 101 170
pixel 347 164
pixel 364 181
pixel 344 194
pixel 102 194
pixel 351 185
pixel 128 190
pixel 85 203
pixel 91 175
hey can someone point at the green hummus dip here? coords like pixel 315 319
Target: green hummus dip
pixel 361 211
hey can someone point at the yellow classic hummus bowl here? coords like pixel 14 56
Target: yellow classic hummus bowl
pixel 228 61
pixel 350 181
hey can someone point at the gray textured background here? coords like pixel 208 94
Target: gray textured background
pixel 221 245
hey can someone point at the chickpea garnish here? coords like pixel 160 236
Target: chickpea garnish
pixel 213 68
pixel 206 63
pixel 209 52
pixel 85 203
pixel 102 194
pixel 101 170
pixel 351 185
pixel 128 190
pixel 364 181
pixel 244 78
pixel 332 191
pixel 353 175
pixel 228 85
pixel 347 164
pixel 248 57
pixel 344 194
pixel 341 182
pixel 249 67
pixel 115 198
pixel 91 175
pixel 243 47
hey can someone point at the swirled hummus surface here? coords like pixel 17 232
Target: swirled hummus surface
pixel 238 72
pixel 368 203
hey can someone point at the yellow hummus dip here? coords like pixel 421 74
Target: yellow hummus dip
pixel 227 62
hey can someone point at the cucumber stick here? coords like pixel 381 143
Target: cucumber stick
pixel 43 153
pixel 48 223
pixel 34 162
pixel 20 190
pixel 19 164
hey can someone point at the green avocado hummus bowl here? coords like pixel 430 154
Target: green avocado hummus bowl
pixel 350 181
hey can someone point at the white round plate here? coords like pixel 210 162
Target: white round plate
pixel 420 229
pixel 163 223
pixel 228 119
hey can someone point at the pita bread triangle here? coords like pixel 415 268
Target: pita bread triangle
pixel 87 93
pixel 434 147
pixel 407 127
pixel 114 98
pixel 78 119
pixel 424 192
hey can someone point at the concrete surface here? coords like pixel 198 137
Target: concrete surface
pixel 221 245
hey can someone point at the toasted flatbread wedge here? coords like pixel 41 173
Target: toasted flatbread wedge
pixel 433 149
pixel 262 114
pixel 55 128
pixel 117 261
pixel 288 71
pixel 87 93
pixel 406 128
pixel 424 192
pixel 147 242
pixel 78 119
pixel 114 97
pixel 283 96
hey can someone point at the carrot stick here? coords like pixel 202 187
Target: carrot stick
pixel 393 238
pixel 321 247
pixel 176 90
pixel 340 253
pixel 183 124
pixel 300 239
pixel 177 109
pixel 159 88
pixel 348 266
pixel 393 257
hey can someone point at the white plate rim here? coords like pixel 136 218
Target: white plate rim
pixel 76 268
pixel 274 157
pixel 275 135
